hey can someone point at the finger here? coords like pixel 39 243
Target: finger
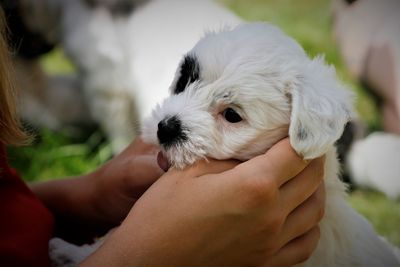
pixel 304 217
pixel 297 251
pixel 301 187
pixel 280 162
pixel 209 166
pixel 143 172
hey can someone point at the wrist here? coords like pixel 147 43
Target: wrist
pixel 108 198
pixel 95 197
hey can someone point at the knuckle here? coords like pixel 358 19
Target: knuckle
pixel 319 203
pixel 321 168
pixel 259 192
pixel 316 169
pixel 318 208
pixel 320 213
pixel 317 231
pixel 306 254
pixel 309 247
pixel 320 171
pixel 271 227
pixel 270 249
pixel 275 224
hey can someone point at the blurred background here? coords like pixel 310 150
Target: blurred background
pixel 76 142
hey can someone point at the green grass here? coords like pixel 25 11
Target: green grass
pixel 57 154
pixel 56 63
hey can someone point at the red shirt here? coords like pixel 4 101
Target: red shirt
pixel 26 225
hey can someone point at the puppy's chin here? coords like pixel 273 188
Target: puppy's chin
pixel 182 154
pixel 180 158
pixel 186 153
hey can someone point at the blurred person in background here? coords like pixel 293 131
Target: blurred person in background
pixel 213 213
pixel 52 101
pixel 368 36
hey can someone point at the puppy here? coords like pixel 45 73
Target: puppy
pixel 238 92
pixel 125 53
pixel 126 60
pixel 234 95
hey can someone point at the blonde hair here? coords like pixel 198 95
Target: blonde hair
pixel 11 132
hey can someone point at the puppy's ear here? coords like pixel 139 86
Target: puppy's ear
pixel 321 106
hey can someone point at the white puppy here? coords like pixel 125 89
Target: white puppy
pixel 375 162
pixel 238 92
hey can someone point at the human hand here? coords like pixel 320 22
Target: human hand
pixel 89 205
pixel 263 212
pixel 120 182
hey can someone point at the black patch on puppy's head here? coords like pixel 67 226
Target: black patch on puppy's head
pixel 189 73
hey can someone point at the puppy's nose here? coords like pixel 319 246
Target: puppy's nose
pixel 170 131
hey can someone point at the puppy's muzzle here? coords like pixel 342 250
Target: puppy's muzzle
pixel 170 131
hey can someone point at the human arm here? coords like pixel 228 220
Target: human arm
pixel 263 212
pixel 91 204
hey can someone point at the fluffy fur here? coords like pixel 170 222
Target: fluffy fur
pixel 374 162
pixel 277 91
pixel 126 62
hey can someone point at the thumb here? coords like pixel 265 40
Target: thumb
pixel 280 162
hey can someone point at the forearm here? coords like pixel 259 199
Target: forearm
pixel 72 202
pixel 64 196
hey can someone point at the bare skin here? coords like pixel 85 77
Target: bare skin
pixel 263 212
pixel 100 200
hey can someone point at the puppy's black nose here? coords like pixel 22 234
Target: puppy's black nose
pixel 170 131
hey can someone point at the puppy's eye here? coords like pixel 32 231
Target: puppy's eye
pixel 231 115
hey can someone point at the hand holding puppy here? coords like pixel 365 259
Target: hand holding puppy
pixel 122 181
pixel 222 213
pixel 89 205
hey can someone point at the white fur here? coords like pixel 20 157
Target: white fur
pixel 278 91
pixel 126 63
pixel 375 162
pixel 66 254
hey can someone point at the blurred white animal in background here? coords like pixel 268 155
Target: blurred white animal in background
pixel 368 36
pixel 127 62
pixel 374 162
pixel 125 52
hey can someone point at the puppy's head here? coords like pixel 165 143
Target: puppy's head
pixel 238 92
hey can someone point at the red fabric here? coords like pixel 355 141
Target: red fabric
pixel 26 225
